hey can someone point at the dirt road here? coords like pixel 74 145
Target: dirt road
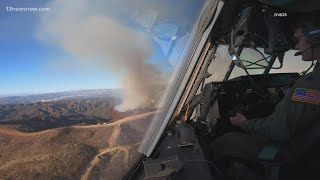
pixel 96 160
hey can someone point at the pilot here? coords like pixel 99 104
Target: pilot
pixel 296 119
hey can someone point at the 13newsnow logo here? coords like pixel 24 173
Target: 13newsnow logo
pixel 280 14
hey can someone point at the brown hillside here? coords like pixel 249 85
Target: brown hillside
pixel 41 116
pixel 72 152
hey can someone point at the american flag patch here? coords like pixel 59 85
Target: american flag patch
pixel 306 95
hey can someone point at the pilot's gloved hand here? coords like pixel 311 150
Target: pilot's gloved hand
pixel 238 120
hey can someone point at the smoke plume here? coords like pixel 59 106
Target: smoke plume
pixel 80 29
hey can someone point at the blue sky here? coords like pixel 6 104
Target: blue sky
pixel 30 66
pixel 26 63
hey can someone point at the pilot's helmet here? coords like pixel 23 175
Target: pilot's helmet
pixel 310 25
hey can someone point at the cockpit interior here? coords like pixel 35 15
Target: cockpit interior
pixel 204 109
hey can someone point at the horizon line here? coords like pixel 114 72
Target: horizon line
pixel 38 93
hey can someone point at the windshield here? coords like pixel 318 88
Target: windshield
pixel 219 67
pixel 292 64
pixel 248 56
pixel 81 81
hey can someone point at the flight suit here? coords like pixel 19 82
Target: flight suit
pixel 295 123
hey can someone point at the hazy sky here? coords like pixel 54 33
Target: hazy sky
pixel 30 66
pixel 33 63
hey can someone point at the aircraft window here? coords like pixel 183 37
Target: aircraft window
pixel 292 63
pixel 82 80
pixel 249 56
pixel 219 66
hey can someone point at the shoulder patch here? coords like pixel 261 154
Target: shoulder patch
pixel 306 96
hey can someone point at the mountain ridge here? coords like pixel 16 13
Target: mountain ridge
pixel 74 94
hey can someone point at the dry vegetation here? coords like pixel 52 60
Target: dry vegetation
pixel 40 116
pixel 75 152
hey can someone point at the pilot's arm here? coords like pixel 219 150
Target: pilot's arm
pixel 276 126
pixel 297 111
